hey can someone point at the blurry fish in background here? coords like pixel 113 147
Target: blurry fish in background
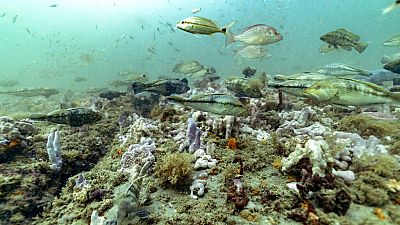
pixel 164 87
pixel 86 58
pixel 391 7
pixel 339 69
pixel 325 48
pixel 390 58
pixel 394 41
pixel 196 10
pixel 201 25
pixel 252 52
pixel 14 19
pixel 53 5
pixel 344 39
pixel 3 15
pixel 188 67
pixel 32 92
pixel 259 34
pixel 8 83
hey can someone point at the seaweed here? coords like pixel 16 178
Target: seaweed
pixel 174 170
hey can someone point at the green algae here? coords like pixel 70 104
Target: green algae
pixel 366 126
pixel 174 170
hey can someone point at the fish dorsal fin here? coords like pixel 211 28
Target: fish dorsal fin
pixel 343 30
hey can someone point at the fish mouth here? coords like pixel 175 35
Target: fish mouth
pixel 309 95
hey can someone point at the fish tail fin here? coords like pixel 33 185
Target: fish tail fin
pixel 230 37
pixel 361 46
pixel 138 87
pixel 389 8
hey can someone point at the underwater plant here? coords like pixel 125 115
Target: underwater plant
pixel 174 170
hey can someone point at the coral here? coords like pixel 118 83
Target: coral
pixel 197 186
pixel 137 156
pixel 141 127
pixel 366 126
pixel 54 150
pixel 358 146
pixel 174 170
pixel 337 201
pixel 393 185
pixel 192 141
pixel 316 150
pixel 369 189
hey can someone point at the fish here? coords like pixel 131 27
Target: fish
pixel 220 104
pixel 295 84
pixel 75 117
pixel 164 87
pixel 14 19
pixel 339 69
pixel 391 7
pixel 3 15
pixel 252 52
pixel 243 87
pixel 258 34
pixel 201 25
pixel 393 41
pixel 249 71
pixel 391 58
pixel 350 92
pixel 53 5
pixel 344 39
pixel 393 66
pixel 188 67
pixel 380 76
pixel 8 83
pixel 203 73
pixel 196 10
pixel 32 92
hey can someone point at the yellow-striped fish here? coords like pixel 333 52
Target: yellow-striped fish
pixel 201 25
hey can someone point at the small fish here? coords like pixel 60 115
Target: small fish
pixel 46 92
pixel 220 104
pixel 339 69
pixel 394 41
pixel 27 30
pixel 8 83
pixel 110 95
pixel 164 87
pixel 14 19
pixel 258 34
pixel 131 37
pixel 188 67
pixel 344 39
pixel 196 10
pixel 325 48
pixel 350 92
pixel 243 87
pixel 380 76
pixel 200 25
pixel 75 117
pixel 295 84
pixel 53 5
pixel 391 7
pixel 393 66
pixel 3 15
pixel 252 52
pixel 387 59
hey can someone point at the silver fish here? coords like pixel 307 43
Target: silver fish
pixel 391 7
pixel 339 69
pixel 46 92
pixel 252 52
pixel 188 67
pixel 221 104
pixel 259 34
pixel 393 41
pixel 391 58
